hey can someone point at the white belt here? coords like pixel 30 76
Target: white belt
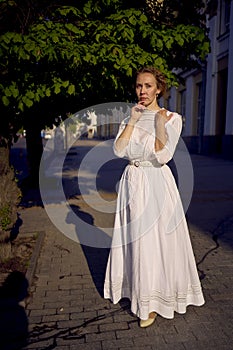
pixel 144 163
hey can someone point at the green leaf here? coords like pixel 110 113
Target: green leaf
pixel 5 101
pixel 129 72
pixel 8 92
pixel 55 38
pixel 18 38
pixel 159 43
pixel 65 83
pixel 87 8
pixel 21 106
pixel 30 94
pixel 71 89
pixel 72 28
pixel 158 61
pixel 37 97
pixel 40 93
pixel 87 57
pixel 29 46
pixel 132 20
pixel 48 92
pixel 27 101
pixel 57 88
pixel 169 43
pixel 143 18
pixel 22 53
pixel 15 92
pixel 66 10
pixel 179 40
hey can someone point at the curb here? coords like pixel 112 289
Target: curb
pixel 35 254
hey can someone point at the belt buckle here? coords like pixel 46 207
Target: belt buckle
pixel 136 163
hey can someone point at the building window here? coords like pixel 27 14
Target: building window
pixel 221 101
pixel 225 13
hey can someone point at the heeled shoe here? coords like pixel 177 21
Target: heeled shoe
pixel 148 322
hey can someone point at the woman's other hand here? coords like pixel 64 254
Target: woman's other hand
pixel 162 116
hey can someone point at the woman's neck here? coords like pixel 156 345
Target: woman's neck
pixel 153 107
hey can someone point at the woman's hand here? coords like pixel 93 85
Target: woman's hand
pixel 160 120
pixel 162 117
pixel 125 136
pixel 136 112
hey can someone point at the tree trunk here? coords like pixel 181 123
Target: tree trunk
pixel 34 152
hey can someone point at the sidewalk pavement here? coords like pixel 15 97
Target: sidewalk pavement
pixel 66 309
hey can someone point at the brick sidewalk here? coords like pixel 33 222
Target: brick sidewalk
pixel 66 309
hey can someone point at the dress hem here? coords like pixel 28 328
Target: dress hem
pixel 155 305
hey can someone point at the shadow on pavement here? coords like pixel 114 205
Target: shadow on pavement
pixel 13 318
pixel 96 257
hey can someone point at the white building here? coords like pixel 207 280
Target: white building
pixel 206 100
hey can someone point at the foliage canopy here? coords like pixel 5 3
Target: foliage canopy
pixel 61 56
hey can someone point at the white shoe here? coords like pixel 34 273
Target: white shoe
pixel 148 322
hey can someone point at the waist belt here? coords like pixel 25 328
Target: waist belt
pixel 144 163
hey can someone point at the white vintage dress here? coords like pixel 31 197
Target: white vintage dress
pixel 151 260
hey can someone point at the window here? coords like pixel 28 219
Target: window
pixel 225 13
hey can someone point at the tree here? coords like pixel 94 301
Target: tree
pixel 71 51
pixel 67 55
pixel 61 56
pixel 102 42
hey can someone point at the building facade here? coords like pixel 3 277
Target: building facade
pixel 206 99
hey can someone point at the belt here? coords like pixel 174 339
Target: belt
pixel 144 163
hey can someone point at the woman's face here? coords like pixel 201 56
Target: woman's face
pixel 146 89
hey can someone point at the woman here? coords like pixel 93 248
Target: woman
pixel 151 261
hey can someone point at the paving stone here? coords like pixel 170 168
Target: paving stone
pixel 116 344
pixel 113 326
pixel 145 347
pixel 52 318
pixel 85 346
pixel 42 312
pixel 175 346
pixel 73 324
pixel 206 344
pixel 149 341
pixel 100 336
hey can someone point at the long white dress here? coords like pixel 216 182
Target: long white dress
pixel 151 260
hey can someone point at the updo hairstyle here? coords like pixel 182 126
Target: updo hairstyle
pixel 159 77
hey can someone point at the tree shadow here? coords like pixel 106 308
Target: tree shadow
pixel 13 318
pixel 54 335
